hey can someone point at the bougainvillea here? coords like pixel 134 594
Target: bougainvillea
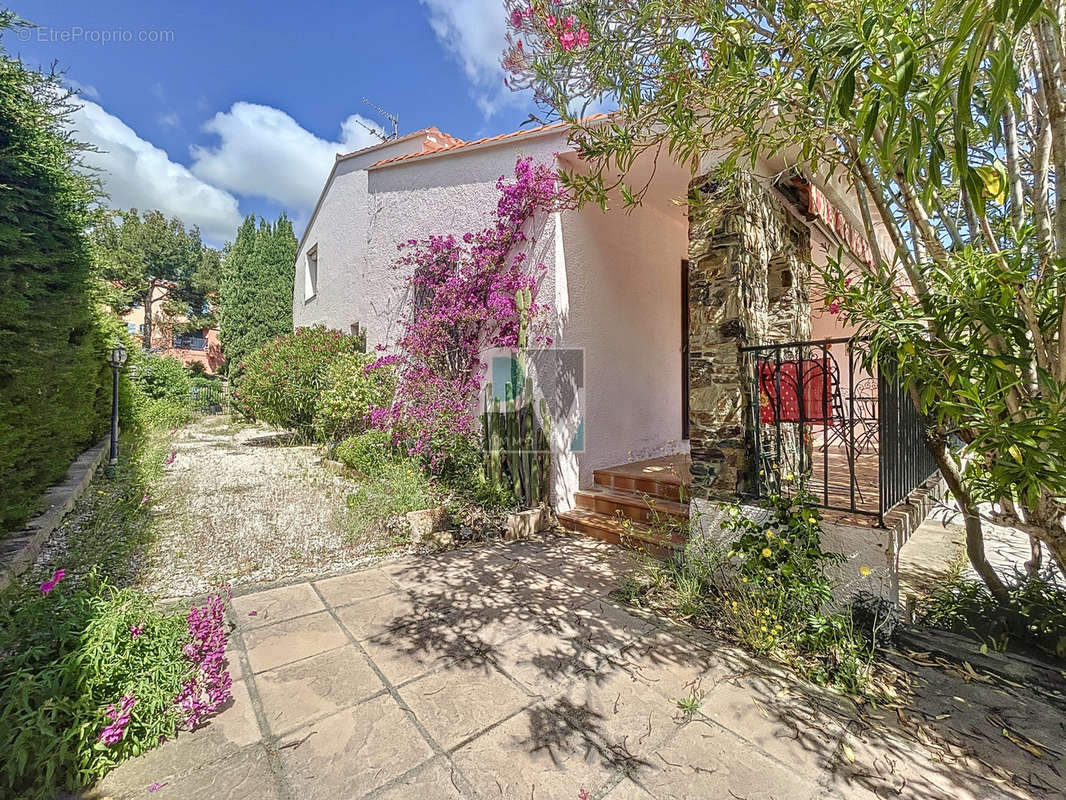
pixel 463 292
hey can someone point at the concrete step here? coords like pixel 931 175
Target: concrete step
pixel 636 507
pixel 616 530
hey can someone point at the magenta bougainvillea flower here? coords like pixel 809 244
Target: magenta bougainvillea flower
pixel 464 289
pixel 171 457
pixel 50 584
pixel 136 630
pixel 155 786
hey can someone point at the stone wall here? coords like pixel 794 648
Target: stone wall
pixel 749 283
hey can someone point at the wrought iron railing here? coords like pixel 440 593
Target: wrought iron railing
pixel 207 399
pixel 823 419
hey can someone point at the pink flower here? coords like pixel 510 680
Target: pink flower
pixel 582 794
pixel 834 308
pixel 155 786
pixel 253 613
pixel 172 456
pixel 136 630
pixel 847 283
pixel 50 584
pixel 550 21
pixel 120 718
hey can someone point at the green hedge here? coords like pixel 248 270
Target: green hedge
pixel 55 388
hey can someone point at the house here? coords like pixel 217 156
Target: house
pixel 190 347
pixel 709 367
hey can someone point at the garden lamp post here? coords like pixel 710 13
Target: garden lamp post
pixel 116 357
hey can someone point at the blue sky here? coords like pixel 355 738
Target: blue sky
pixel 230 108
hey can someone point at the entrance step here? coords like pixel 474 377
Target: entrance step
pixel 666 478
pixel 632 506
pixel 620 531
pixel 642 506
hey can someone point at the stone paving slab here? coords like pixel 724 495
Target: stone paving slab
pixel 506 672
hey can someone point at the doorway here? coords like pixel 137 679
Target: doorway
pixel 684 350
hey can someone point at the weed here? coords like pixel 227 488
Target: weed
pixel 690 705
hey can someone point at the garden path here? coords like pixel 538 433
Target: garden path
pixel 505 671
pixel 241 505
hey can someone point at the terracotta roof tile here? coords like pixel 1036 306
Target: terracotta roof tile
pixel 459 144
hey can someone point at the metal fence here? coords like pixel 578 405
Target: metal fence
pixel 824 420
pixel 208 399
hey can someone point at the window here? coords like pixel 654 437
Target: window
pixel 133 327
pixel 311 274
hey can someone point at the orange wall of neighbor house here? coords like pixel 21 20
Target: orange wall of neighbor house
pixel 162 341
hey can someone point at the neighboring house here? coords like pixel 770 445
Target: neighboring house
pixel 663 306
pixel 189 347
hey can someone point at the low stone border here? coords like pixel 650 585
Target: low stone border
pixel 20 550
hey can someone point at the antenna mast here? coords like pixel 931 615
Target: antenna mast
pixel 390 117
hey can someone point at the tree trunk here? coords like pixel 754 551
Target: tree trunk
pixel 1045 525
pixel 975 538
pixel 146 336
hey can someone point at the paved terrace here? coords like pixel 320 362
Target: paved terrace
pixel 504 672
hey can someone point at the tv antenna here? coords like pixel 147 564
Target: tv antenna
pixel 390 117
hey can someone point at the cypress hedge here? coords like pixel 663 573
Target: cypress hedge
pixel 55 391
pixel 255 290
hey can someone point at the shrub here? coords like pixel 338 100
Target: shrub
pixel 160 377
pixel 368 454
pixel 280 382
pixel 157 413
pixel 91 675
pixel 1034 620
pixel 399 487
pixel 349 393
pixel 769 590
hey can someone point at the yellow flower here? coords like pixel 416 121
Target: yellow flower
pixel 811 519
pixel 769 534
pixel 767 552
pixel 864 571
pixel 790 477
pixel 744 579
pixel 770 578
pixel 734 605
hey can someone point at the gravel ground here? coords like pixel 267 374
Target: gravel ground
pixel 240 506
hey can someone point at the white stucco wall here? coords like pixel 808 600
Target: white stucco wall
pixel 613 282
pixel 618 296
pixel 861 545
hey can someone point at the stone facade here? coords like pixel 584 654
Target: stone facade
pixel 749 283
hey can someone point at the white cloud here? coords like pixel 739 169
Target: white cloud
pixel 136 173
pixel 264 152
pixel 169 120
pixel 83 89
pixel 474 31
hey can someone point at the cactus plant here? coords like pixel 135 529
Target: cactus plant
pixel 516 447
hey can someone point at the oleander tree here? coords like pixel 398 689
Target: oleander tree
pixel 938 127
